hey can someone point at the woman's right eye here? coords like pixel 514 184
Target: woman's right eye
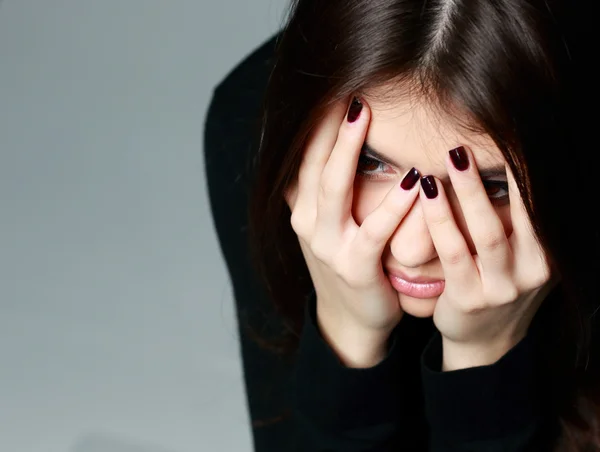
pixel 369 167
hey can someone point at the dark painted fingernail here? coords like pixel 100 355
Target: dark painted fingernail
pixel 459 158
pixel 429 186
pixel 410 179
pixel 354 110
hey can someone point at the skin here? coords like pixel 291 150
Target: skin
pixel 411 134
pixel 495 273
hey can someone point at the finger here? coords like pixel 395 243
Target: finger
pixel 484 224
pixel 531 266
pixel 453 251
pixel 290 194
pixel 316 154
pixel 522 228
pixel 337 181
pixel 376 230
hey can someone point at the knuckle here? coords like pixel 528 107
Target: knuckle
pixel 320 250
pixel 370 235
pixel 353 283
pixel 349 276
pixel 295 223
pixel 471 194
pixel 391 211
pixel 542 278
pixel 537 280
pixel 440 220
pixel 545 273
pixel 329 188
pixel 320 254
pixel 466 300
pixel 492 241
pixel 299 224
pixel 454 256
pixel 511 294
pixel 469 306
pixel 477 308
pixel 348 271
pixel 501 294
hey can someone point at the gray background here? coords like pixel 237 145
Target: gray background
pixel 117 331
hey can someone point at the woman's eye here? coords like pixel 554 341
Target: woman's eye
pixel 369 168
pixel 497 190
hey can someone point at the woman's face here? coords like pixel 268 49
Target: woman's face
pixel 408 133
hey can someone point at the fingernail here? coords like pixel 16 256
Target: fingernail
pixel 354 110
pixel 410 179
pixel 459 158
pixel 429 186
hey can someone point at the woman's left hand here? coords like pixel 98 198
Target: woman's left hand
pixel 490 298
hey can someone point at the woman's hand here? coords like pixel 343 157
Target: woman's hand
pixel 491 297
pixel 357 308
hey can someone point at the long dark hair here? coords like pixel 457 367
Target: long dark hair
pixel 523 71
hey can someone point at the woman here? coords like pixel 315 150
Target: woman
pixel 410 141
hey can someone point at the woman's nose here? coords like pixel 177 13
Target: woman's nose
pixel 411 244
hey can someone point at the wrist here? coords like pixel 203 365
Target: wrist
pixel 355 346
pixel 456 356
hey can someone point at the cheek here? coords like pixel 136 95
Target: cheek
pixel 366 198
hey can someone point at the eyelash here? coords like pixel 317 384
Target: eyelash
pixel 370 174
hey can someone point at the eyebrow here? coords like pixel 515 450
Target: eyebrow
pixel 485 173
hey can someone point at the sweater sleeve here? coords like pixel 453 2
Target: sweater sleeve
pixel 490 408
pixel 406 402
pixel 337 408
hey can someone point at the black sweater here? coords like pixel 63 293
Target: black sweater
pixel 405 403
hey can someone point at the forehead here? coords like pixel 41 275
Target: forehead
pixel 408 129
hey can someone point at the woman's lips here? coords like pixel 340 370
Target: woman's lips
pixel 420 287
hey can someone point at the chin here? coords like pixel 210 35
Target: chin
pixel 417 307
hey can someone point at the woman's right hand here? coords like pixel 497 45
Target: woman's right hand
pixel 357 308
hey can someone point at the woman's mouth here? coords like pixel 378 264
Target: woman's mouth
pixel 429 289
